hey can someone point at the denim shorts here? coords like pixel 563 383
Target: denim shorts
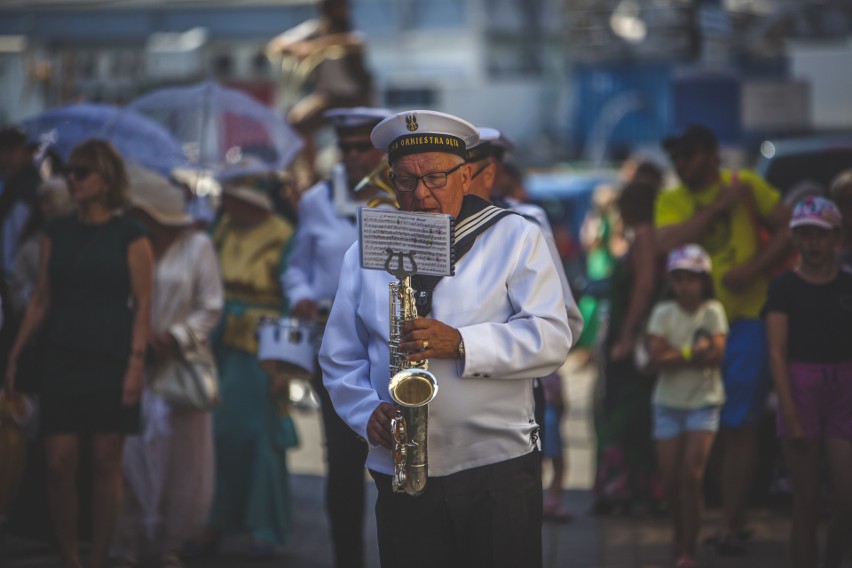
pixel 670 422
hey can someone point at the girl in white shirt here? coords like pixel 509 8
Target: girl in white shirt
pixel 686 339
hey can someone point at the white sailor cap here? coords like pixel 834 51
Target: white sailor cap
pixel 354 118
pixel 485 147
pixel 418 131
pixel 492 143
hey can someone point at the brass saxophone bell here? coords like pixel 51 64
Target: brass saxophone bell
pixel 413 387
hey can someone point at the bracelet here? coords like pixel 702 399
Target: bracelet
pixel 686 353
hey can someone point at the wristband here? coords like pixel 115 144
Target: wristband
pixel 686 353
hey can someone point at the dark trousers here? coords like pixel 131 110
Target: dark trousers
pixel 346 455
pixel 486 517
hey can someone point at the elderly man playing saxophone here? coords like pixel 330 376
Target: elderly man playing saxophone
pixel 487 332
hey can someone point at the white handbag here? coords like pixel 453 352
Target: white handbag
pixel 189 380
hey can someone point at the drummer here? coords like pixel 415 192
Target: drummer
pixel 327 228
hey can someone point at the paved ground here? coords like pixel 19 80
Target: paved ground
pixel 588 542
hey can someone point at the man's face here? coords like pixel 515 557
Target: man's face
pixel 446 199
pixel 359 156
pixel 697 168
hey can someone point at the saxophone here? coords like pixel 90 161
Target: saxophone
pixel 412 388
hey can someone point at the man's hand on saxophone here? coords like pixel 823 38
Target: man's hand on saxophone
pixel 429 339
pixel 379 426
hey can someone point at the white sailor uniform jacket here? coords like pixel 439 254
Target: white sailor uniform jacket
pixel 506 301
pixel 537 215
pixel 322 238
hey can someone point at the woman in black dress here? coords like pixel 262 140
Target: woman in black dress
pixel 92 303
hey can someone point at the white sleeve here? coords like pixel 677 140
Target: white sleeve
pixel 344 355
pixel 575 318
pixel 297 279
pixel 208 295
pixel 535 340
pixel 539 216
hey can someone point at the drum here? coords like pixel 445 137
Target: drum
pixel 284 348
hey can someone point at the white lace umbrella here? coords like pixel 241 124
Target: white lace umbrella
pixel 220 126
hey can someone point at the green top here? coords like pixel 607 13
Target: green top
pixel 91 311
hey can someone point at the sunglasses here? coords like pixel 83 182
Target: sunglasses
pixel 79 172
pixel 359 147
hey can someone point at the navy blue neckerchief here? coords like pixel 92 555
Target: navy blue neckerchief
pixel 476 217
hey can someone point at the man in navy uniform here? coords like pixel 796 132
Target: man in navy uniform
pixel 487 332
pixel 327 228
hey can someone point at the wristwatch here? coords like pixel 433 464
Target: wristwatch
pixel 461 348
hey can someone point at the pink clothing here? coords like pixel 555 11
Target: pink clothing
pixel 823 398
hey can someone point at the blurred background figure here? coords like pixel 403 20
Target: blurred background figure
pixel 20 179
pixel 327 228
pixel 626 465
pixel 252 436
pixel 553 448
pixel 686 341
pixel 809 321
pixel 52 200
pixel 729 212
pixel 20 182
pixel 841 193
pixel 323 66
pixel 602 241
pixel 169 468
pixel 93 342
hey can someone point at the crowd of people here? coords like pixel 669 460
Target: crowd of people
pixel 719 271
pixel 111 281
pixel 717 290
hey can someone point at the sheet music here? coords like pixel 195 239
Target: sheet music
pixel 389 237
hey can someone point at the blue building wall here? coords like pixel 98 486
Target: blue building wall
pixel 712 100
pixel 655 100
pixel 597 89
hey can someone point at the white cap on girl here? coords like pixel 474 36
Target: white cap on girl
pixel 689 257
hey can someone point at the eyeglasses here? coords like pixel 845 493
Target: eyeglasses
pixel 360 147
pixel 79 172
pixel 432 180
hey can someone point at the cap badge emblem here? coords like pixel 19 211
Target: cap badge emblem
pixel 411 122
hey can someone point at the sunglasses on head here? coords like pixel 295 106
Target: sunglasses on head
pixel 361 146
pixel 79 172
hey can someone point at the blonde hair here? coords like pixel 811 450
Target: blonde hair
pixel 103 158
